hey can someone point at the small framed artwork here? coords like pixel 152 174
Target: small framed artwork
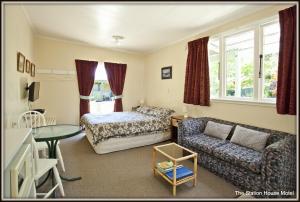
pixel 32 70
pixel 20 62
pixel 166 72
pixel 27 66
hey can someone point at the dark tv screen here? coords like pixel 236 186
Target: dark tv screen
pixel 34 89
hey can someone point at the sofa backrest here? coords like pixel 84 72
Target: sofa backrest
pixel 274 137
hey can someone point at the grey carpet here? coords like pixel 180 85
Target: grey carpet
pixel 128 174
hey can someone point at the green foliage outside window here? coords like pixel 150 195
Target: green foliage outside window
pixel 246 74
pixel 214 75
pixel 231 56
pixel 101 91
pixel 270 75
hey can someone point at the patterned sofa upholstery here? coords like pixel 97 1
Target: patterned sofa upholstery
pixel 268 174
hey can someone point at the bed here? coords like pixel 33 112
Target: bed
pixel 124 130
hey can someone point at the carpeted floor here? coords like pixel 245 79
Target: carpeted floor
pixel 128 174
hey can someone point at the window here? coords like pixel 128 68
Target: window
pixel 102 95
pixel 239 65
pixel 270 54
pixel 243 65
pixel 214 65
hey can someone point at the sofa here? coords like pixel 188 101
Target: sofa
pixel 270 173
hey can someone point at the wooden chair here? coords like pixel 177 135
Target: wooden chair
pixel 33 119
pixel 41 167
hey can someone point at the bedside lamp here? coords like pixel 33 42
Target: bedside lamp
pixel 184 110
pixel 142 102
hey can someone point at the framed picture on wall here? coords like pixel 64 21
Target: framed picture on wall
pixel 166 72
pixel 32 70
pixel 20 62
pixel 27 66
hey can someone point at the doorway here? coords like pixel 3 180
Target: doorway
pixel 103 102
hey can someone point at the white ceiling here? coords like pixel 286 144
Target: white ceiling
pixel 146 27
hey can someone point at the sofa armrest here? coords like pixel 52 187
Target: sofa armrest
pixel 190 126
pixel 279 166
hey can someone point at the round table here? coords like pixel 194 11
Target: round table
pixel 51 134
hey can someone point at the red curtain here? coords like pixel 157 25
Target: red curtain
pixel 85 75
pixel 286 86
pixel 116 78
pixel 196 88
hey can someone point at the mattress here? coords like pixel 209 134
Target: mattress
pixel 117 144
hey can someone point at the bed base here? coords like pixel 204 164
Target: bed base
pixel 117 144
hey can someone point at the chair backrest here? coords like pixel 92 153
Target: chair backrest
pixel 35 154
pixel 31 119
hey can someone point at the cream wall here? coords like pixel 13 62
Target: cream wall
pixel 59 94
pixel 18 37
pixel 169 93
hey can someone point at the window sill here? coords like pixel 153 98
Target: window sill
pixel 243 102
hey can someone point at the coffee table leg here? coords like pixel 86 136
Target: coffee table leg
pixel 174 190
pixel 174 178
pixel 195 170
pixel 153 160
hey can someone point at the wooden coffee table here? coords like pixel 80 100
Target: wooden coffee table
pixel 176 154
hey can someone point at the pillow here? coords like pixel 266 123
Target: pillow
pixel 161 112
pixel 250 138
pixel 143 109
pixel 217 130
pixel 155 111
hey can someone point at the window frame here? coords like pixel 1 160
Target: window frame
pixel 219 72
pixel 261 80
pixel 225 68
pixel 257 98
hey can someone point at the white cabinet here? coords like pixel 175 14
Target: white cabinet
pixel 19 168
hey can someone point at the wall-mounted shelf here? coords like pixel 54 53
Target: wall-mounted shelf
pixel 55 71
pixel 56 74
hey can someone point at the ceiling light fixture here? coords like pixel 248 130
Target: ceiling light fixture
pixel 117 39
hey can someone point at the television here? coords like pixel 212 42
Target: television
pixel 33 91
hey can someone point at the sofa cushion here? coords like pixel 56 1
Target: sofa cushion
pixel 203 142
pixel 217 130
pixel 240 156
pixel 252 139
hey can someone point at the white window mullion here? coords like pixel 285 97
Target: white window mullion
pixel 257 52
